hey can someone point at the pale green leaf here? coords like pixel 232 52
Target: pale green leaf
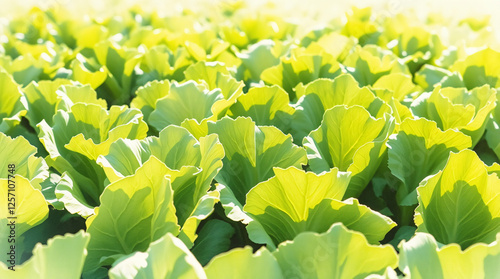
pixel 166 258
pixel 479 69
pixel 458 108
pixel 418 150
pixel 469 197
pixel 323 94
pixel 267 106
pixel 369 63
pixel 190 163
pixel 21 153
pixel 78 137
pixel 188 100
pixel 242 263
pixel 303 68
pixel 62 257
pixel 337 253
pixel 134 212
pixel 251 152
pixel 350 140
pixel 295 201
pixel 400 84
pixel 423 257
pixel 13 104
pixel 148 94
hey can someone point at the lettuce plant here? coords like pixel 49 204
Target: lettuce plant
pixel 151 201
pixel 458 108
pixel 191 165
pixel 418 150
pixel 294 201
pixel 323 94
pixel 46 264
pixel 463 181
pixel 78 137
pixel 303 67
pixel 347 137
pixel 251 152
pixel 422 256
pixel 13 105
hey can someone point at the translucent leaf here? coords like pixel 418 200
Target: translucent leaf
pixel 242 263
pixel 468 195
pixel 350 140
pixel 62 257
pixel 418 150
pixel 457 108
pixel 166 258
pixel 251 152
pixel 423 257
pixel 13 105
pixel 337 253
pixel 294 201
pixel 134 212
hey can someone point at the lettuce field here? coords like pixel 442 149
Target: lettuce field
pixel 235 142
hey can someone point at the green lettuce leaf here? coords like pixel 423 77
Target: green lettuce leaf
pixel 295 201
pixel 429 76
pixel 45 98
pixel 13 105
pixel 479 69
pixel 401 85
pixel 42 100
pixel 260 56
pixel 495 168
pixel 191 164
pixel 457 108
pixel 493 129
pixel 214 238
pixel 233 209
pixel 258 27
pixel 118 63
pixel 267 106
pixel 418 150
pixel 350 140
pixel 337 253
pixel 166 258
pixel 204 45
pixel 423 257
pixel 62 257
pixel 468 195
pixel 360 26
pixel 251 153
pixel 73 94
pixel 334 43
pixel 301 67
pixel 173 65
pixel 23 69
pixel 147 95
pixel 134 212
pixel 79 136
pixel 86 74
pixel 242 263
pixel 323 94
pixel 191 102
pixel 215 75
pixel 417 47
pixel 26 204
pixel 21 153
pixel 369 63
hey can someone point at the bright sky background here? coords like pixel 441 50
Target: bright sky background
pixel 315 8
pixel 455 7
